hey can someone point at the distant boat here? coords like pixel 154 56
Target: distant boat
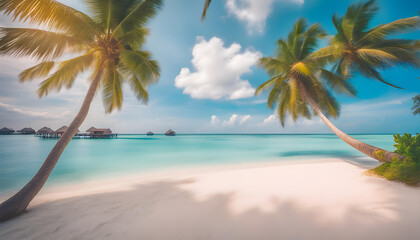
pixel 149 133
pixel 170 132
pixel 6 131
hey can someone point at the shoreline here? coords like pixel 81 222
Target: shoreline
pixel 106 183
pixel 327 199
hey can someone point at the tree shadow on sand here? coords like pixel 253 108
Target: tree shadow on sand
pixel 168 210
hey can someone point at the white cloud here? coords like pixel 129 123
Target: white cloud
pixel 214 120
pixel 236 119
pixel 33 113
pixel 218 71
pixel 253 12
pixel 271 119
pixel 244 119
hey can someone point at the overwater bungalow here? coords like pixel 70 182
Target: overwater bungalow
pixel 59 132
pixel 149 133
pixel 101 133
pixel 170 132
pixel 27 131
pixel 45 132
pixel 90 129
pixel 6 131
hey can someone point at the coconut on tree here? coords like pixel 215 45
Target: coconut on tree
pixel 107 43
pixel 357 48
pixel 300 83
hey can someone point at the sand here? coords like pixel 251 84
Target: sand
pixel 329 199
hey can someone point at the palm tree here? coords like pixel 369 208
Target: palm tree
pixel 109 44
pixel 355 48
pixel 300 82
pixel 416 106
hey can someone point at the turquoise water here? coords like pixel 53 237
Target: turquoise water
pixel 84 159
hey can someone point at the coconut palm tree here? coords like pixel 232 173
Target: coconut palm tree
pixel 108 44
pixel 356 48
pixel 300 83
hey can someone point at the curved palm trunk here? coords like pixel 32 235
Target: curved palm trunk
pixel 372 151
pixel 18 202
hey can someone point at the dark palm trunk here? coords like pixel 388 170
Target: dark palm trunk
pixel 372 151
pixel 17 204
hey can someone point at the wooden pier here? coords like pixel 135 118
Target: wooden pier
pixel 96 133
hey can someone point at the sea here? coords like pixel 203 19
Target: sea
pixel 87 159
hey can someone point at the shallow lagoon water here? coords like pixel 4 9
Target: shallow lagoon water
pixel 85 159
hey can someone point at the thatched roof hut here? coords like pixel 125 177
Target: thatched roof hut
pixel 149 133
pixel 100 131
pixel 6 131
pixel 27 130
pixel 170 132
pixel 61 130
pixel 45 130
pixel 91 129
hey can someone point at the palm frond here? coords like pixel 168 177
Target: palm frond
pixel 357 18
pixel 376 57
pixel 206 6
pixel 369 71
pixel 310 40
pixel 284 100
pixel 52 15
pixel 384 30
pixel 337 83
pixel 266 85
pixel 111 88
pixel 134 39
pixel 38 44
pixel 138 89
pixel 66 73
pixel 38 71
pixel 137 17
pixel 273 66
pixel 140 63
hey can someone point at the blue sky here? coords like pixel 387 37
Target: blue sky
pixel 208 75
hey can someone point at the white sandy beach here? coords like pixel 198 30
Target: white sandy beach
pixel 315 200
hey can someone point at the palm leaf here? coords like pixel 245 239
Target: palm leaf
pixel 38 44
pixel 140 63
pixel 137 17
pixel 51 14
pixel 111 88
pixel 337 83
pixel 384 30
pixel 134 39
pixel 266 85
pixel 366 69
pixel 66 73
pixel 206 6
pixel 37 71
pixel 138 89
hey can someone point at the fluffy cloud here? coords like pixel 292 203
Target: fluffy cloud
pixel 271 119
pixel 253 12
pixel 214 120
pixel 218 71
pixel 33 113
pixel 236 119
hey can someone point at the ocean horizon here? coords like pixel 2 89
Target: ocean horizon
pixel 87 159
